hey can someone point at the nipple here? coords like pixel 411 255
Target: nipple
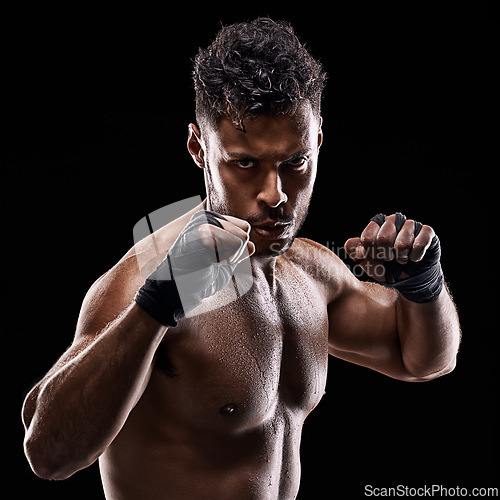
pixel 228 409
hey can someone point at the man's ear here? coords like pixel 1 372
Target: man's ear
pixel 195 145
pixel 320 132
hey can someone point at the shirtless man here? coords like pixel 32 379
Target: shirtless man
pixel 211 405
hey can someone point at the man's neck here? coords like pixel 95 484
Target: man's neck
pixel 264 268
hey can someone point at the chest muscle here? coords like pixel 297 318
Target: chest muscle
pixel 247 358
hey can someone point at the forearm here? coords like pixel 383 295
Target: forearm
pixel 429 335
pixel 79 409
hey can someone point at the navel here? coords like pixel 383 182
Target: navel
pixel 229 409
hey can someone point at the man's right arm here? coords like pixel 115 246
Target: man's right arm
pixel 77 409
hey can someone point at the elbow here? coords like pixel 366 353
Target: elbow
pixel 43 468
pixel 422 375
pixel 41 461
pixel 45 471
pixel 44 465
pixel 47 463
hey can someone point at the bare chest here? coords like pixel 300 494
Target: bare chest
pixel 250 357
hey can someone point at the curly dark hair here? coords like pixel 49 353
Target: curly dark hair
pixel 253 68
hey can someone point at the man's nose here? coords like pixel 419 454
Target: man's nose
pixel 272 193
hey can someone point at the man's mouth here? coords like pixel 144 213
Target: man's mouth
pixel 271 230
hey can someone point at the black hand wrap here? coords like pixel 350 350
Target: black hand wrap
pixel 425 279
pixel 189 273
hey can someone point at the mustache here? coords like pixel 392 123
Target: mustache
pixel 275 214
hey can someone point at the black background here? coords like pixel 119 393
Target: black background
pixel 97 104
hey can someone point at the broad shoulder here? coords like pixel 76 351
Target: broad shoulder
pixel 114 291
pixel 109 296
pixel 314 258
pixel 319 264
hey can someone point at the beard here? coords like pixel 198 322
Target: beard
pixel 270 249
pixel 264 248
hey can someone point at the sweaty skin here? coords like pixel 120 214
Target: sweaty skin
pixel 214 407
pixel 223 410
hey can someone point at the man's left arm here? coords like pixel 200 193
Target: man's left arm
pixel 409 329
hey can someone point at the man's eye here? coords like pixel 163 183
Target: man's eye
pixel 297 162
pixel 245 163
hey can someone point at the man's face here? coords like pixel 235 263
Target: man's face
pixel 265 176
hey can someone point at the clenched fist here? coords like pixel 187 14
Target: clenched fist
pixel 201 262
pixel 401 253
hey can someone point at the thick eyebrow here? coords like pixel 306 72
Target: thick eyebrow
pixel 246 156
pixel 241 155
pixel 298 154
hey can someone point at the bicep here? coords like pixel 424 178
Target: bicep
pixel 363 328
